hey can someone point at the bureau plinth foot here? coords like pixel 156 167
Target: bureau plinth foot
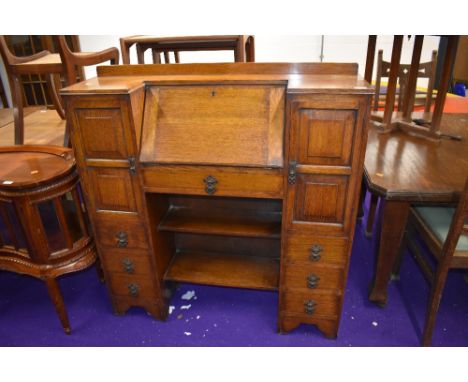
pixel 328 328
pixel 286 324
pixel 122 305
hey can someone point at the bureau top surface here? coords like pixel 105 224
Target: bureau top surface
pixel 297 78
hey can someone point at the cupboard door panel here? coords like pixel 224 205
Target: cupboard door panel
pixel 113 189
pixel 319 200
pixel 102 133
pixel 325 136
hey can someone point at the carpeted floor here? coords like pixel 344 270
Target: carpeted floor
pixel 231 317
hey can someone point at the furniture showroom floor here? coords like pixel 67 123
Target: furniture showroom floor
pixel 231 317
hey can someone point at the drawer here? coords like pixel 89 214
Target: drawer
pixel 317 249
pixel 212 180
pixel 137 287
pixel 307 277
pixel 129 262
pixel 311 304
pixel 120 231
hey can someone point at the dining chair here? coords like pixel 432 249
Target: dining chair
pixel 445 231
pixel 3 98
pixel 48 64
pixel 426 70
pixel 73 60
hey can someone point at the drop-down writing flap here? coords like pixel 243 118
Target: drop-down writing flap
pixel 214 124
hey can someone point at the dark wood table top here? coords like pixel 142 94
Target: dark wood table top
pixel 402 167
pixel 29 166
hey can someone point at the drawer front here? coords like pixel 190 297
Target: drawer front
pixel 122 231
pixel 217 181
pixel 125 261
pixel 307 277
pixel 135 287
pixel 317 250
pixel 311 304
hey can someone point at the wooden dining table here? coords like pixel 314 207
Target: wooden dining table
pixel 404 170
pixel 241 45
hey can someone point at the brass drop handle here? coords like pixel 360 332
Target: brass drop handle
pixel 133 289
pixel 309 306
pixel 128 265
pixel 210 184
pixel 312 281
pixel 122 239
pixel 315 252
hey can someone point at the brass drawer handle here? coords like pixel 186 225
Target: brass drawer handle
pixel 312 281
pixel 315 252
pixel 210 184
pixel 309 306
pixel 133 289
pixel 122 239
pixel 128 265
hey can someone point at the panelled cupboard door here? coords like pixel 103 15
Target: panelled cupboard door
pixel 103 126
pixel 104 130
pixel 324 146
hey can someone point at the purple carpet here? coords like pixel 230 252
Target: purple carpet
pixel 231 317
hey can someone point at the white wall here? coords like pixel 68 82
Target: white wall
pixel 281 48
pixel 270 48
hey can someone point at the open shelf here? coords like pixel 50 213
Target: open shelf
pixel 265 224
pixel 252 272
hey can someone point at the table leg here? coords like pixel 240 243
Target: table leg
pixel 392 217
pixel 125 51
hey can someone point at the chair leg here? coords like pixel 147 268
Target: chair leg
pixel 54 96
pixel 371 215
pixel 437 287
pixel 57 300
pixel 362 198
pixel 66 136
pixel 18 115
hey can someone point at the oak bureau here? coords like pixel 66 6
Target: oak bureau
pixel 240 175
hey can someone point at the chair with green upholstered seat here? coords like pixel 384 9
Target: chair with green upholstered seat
pixel 445 231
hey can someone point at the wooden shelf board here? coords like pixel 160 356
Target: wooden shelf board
pixel 251 272
pixel 267 225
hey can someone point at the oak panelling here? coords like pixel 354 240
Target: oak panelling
pixel 113 189
pixel 102 132
pixel 320 199
pixel 230 69
pixel 326 136
pixel 179 122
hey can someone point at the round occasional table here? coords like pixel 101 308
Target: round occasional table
pixel 43 223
